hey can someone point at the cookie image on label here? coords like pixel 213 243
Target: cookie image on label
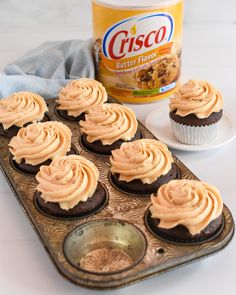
pixel 164 72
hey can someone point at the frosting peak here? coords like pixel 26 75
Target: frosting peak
pixel 81 95
pixel 196 97
pixel 21 108
pixel 67 181
pixel 39 142
pixel 144 159
pixel 109 123
pixel 191 203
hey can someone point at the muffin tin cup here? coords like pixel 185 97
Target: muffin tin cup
pixel 131 194
pixel 139 194
pixel 80 216
pixel 62 115
pixel 152 228
pixel 105 246
pixel 14 129
pixel 18 168
pixel 113 232
pixel 83 146
pixel 104 150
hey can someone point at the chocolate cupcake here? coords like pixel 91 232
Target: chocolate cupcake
pixel 142 166
pixel 78 97
pixel 107 127
pixel 195 112
pixel 38 144
pixel 69 188
pixel 186 211
pixel 20 109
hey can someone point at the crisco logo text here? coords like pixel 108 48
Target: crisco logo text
pixel 137 35
pixel 130 44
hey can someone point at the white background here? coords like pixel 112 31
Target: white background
pixel 209 53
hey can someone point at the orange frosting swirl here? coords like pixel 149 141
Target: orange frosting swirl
pixel 196 97
pixel 21 108
pixel 191 203
pixel 68 180
pixel 81 95
pixel 39 142
pixel 144 159
pixel 109 123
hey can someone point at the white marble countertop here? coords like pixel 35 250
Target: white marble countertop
pixel 209 53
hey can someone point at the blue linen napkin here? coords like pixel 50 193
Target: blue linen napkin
pixel 47 68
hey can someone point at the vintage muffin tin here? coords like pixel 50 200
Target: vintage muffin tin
pixel 115 246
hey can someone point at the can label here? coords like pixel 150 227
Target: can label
pixel 138 53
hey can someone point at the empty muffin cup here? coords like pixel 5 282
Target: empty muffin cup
pixel 105 246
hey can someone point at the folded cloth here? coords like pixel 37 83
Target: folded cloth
pixel 47 68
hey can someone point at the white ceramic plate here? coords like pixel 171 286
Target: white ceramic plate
pixel 158 123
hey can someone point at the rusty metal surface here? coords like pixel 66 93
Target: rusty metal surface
pixel 159 255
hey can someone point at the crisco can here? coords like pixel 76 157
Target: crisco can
pixel 137 47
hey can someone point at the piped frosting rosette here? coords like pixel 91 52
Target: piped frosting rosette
pixel 68 180
pixel 109 123
pixel 191 203
pixel 81 95
pixel 196 97
pixel 39 142
pixel 144 159
pixel 21 108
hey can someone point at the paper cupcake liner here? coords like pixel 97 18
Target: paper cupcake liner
pixel 194 134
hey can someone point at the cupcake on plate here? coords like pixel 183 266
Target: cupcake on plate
pixel 69 188
pixel 38 144
pixel 78 97
pixel 106 127
pixel 195 112
pixel 186 211
pixel 142 166
pixel 20 109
